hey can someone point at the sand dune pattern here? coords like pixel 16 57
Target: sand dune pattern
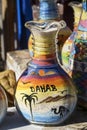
pixel 54 99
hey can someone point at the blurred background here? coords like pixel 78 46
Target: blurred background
pixel 14 14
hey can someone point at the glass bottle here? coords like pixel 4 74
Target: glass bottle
pixel 45 94
pixel 77 63
pixel 3 104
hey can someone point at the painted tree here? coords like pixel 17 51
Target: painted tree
pixel 29 99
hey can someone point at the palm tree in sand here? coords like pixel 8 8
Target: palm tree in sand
pixel 29 99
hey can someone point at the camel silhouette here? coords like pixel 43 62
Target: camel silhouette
pixel 61 110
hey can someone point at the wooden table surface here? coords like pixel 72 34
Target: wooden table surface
pixel 14 121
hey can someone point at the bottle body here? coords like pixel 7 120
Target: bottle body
pixel 46 95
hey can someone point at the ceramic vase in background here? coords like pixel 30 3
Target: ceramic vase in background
pixel 76 65
pixel 66 49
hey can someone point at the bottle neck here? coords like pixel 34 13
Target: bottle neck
pixel 84 5
pixel 48 10
pixel 44 50
pixel 44 55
